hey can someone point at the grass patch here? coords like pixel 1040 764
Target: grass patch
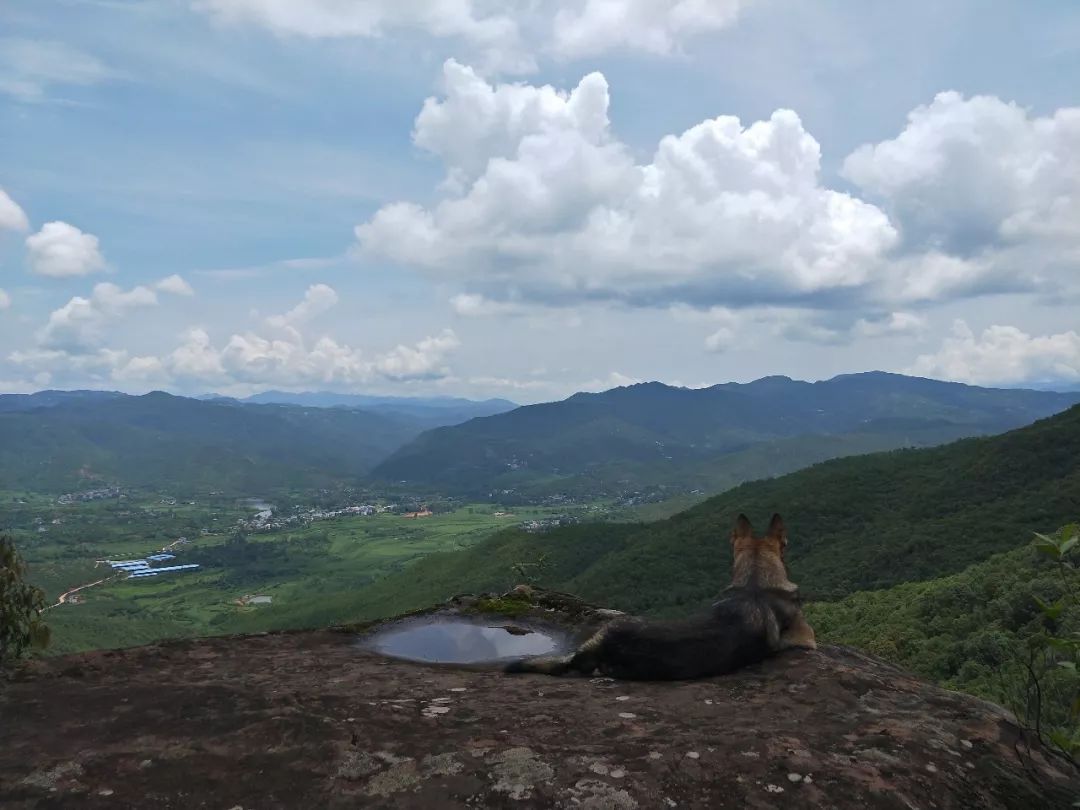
pixel 502 605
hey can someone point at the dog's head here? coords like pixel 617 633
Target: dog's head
pixel 759 559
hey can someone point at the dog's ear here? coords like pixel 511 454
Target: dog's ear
pixel 777 529
pixel 742 528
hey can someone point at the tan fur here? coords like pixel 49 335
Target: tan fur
pixel 759 614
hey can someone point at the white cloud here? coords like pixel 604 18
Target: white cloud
pixel 471 305
pixel 61 250
pixel 80 325
pixel 143 369
pixel 29 67
pixel 494 35
pixel 174 285
pixel 422 361
pixel 542 201
pixel 250 359
pixel 58 365
pixel 5 300
pixel 12 217
pixel 1002 355
pixel 590 27
pixel 318 298
pixel 982 180
pixel 505 37
pixel 196 358
pixel 288 360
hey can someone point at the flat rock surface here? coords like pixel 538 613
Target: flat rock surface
pixel 310 720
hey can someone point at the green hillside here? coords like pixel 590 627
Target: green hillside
pixel 952 629
pixel 188 445
pixel 856 524
pixel 652 434
pixel 978 631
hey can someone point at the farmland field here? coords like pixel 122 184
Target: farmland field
pixel 310 571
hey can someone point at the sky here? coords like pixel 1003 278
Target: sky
pixel 528 198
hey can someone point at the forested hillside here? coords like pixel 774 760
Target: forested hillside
pixel 653 434
pixel 855 524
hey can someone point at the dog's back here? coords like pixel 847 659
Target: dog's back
pixel 757 616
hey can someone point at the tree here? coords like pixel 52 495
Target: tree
pixel 1052 705
pixel 21 626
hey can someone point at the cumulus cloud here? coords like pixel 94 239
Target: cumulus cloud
pixel 174 285
pixel 422 361
pixel 79 327
pixel 290 361
pixel 1002 355
pixel 29 67
pixel 987 190
pixel 12 217
pixel 61 250
pixel 72 345
pixel 590 27
pixel 141 368
pixel 505 37
pixel 543 201
pixel 318 299
pixel 5 300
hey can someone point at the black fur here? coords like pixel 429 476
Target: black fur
pixel 742 628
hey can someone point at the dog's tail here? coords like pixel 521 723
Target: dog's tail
pixel 544 664
pixel 584 661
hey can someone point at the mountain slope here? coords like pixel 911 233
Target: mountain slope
pixel 189 445
pixel 653 434
pixel 958 630
pixel 856 523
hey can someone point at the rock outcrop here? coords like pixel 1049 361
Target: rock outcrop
pixel 311 720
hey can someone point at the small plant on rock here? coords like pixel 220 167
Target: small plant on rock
pixel 21 625
pixel 1052 704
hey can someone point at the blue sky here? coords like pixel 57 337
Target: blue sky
pixel 525 199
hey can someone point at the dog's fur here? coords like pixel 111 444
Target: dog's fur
pixel 758 615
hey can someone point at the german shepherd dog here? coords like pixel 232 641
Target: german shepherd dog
pixel 759 614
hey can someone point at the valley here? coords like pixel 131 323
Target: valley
pixel 291 524
pixel 309 569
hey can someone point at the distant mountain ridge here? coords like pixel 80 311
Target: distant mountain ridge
pixel 63 440
pixel 652 434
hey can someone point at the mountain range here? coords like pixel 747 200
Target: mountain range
pixel 651 434
pixel 648 437
pixel 63 440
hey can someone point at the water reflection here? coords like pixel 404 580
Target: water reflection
pixel 460 641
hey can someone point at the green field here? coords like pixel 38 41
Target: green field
pixel 312 573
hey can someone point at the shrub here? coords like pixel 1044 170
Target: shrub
pixel 21 626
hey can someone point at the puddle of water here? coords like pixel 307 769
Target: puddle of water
pixel 461 641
